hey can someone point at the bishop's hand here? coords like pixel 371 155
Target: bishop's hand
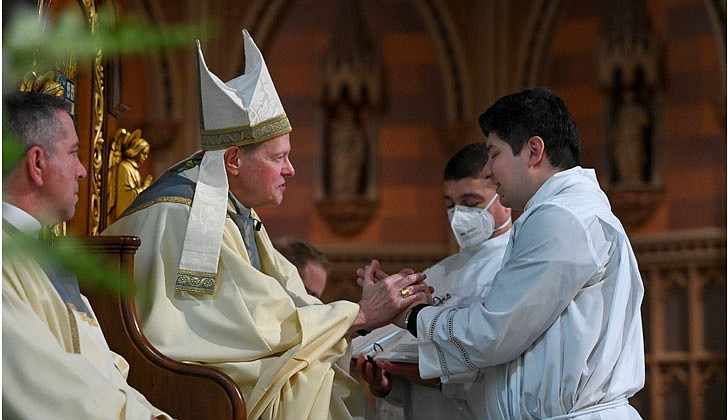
pixel 382 300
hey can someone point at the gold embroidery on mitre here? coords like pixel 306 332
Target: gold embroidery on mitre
pixel 239 136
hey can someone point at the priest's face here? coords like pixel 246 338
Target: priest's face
pixel 508 172
pixel 63 171
pixel 260 179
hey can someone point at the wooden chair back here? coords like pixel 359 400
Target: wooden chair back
pixel 183 390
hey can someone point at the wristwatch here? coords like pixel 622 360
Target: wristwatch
pixel 410 319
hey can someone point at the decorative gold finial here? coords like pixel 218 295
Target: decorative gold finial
pixel 45 83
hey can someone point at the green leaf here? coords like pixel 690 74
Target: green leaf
pixel 69 254
pixel 29 47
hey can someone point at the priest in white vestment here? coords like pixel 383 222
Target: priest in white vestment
pixel 211 287
pixel 56 362
pixel 559 334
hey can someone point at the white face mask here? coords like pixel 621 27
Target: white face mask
pixel 472 225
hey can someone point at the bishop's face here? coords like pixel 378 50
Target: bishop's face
pixel 261 179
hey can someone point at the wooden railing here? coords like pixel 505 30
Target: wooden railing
pixel 684 317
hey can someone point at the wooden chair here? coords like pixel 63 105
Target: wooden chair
pixel 183 390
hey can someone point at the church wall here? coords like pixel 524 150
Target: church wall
pixel 689 135
pixel 410 163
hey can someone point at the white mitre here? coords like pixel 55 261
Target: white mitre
pixel 243 111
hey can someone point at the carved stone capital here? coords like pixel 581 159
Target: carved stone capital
pixel 347 216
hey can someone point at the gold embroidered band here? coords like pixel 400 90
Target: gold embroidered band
pixel 195 282
pixel 240 136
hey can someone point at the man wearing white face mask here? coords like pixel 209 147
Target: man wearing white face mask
pixel 481 226
pixel 471 224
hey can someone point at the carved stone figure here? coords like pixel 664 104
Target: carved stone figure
pixel 347 157
pixel 350 99
pixel 629 151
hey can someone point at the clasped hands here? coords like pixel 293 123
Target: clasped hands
pixel 387 298
pixel 378 374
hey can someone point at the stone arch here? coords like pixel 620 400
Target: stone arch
pixel 532 60
pixel 167 102
pixel 717 15
pixel 264 15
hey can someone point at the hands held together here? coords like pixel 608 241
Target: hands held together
pixel 387 298
pixel 378 374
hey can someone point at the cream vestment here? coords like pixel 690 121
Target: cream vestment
pixel 56 363
pixel 278 343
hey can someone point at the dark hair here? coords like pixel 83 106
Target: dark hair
pixel 32 118
pixel 468 162
pixel 300 252
pixel 535 112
